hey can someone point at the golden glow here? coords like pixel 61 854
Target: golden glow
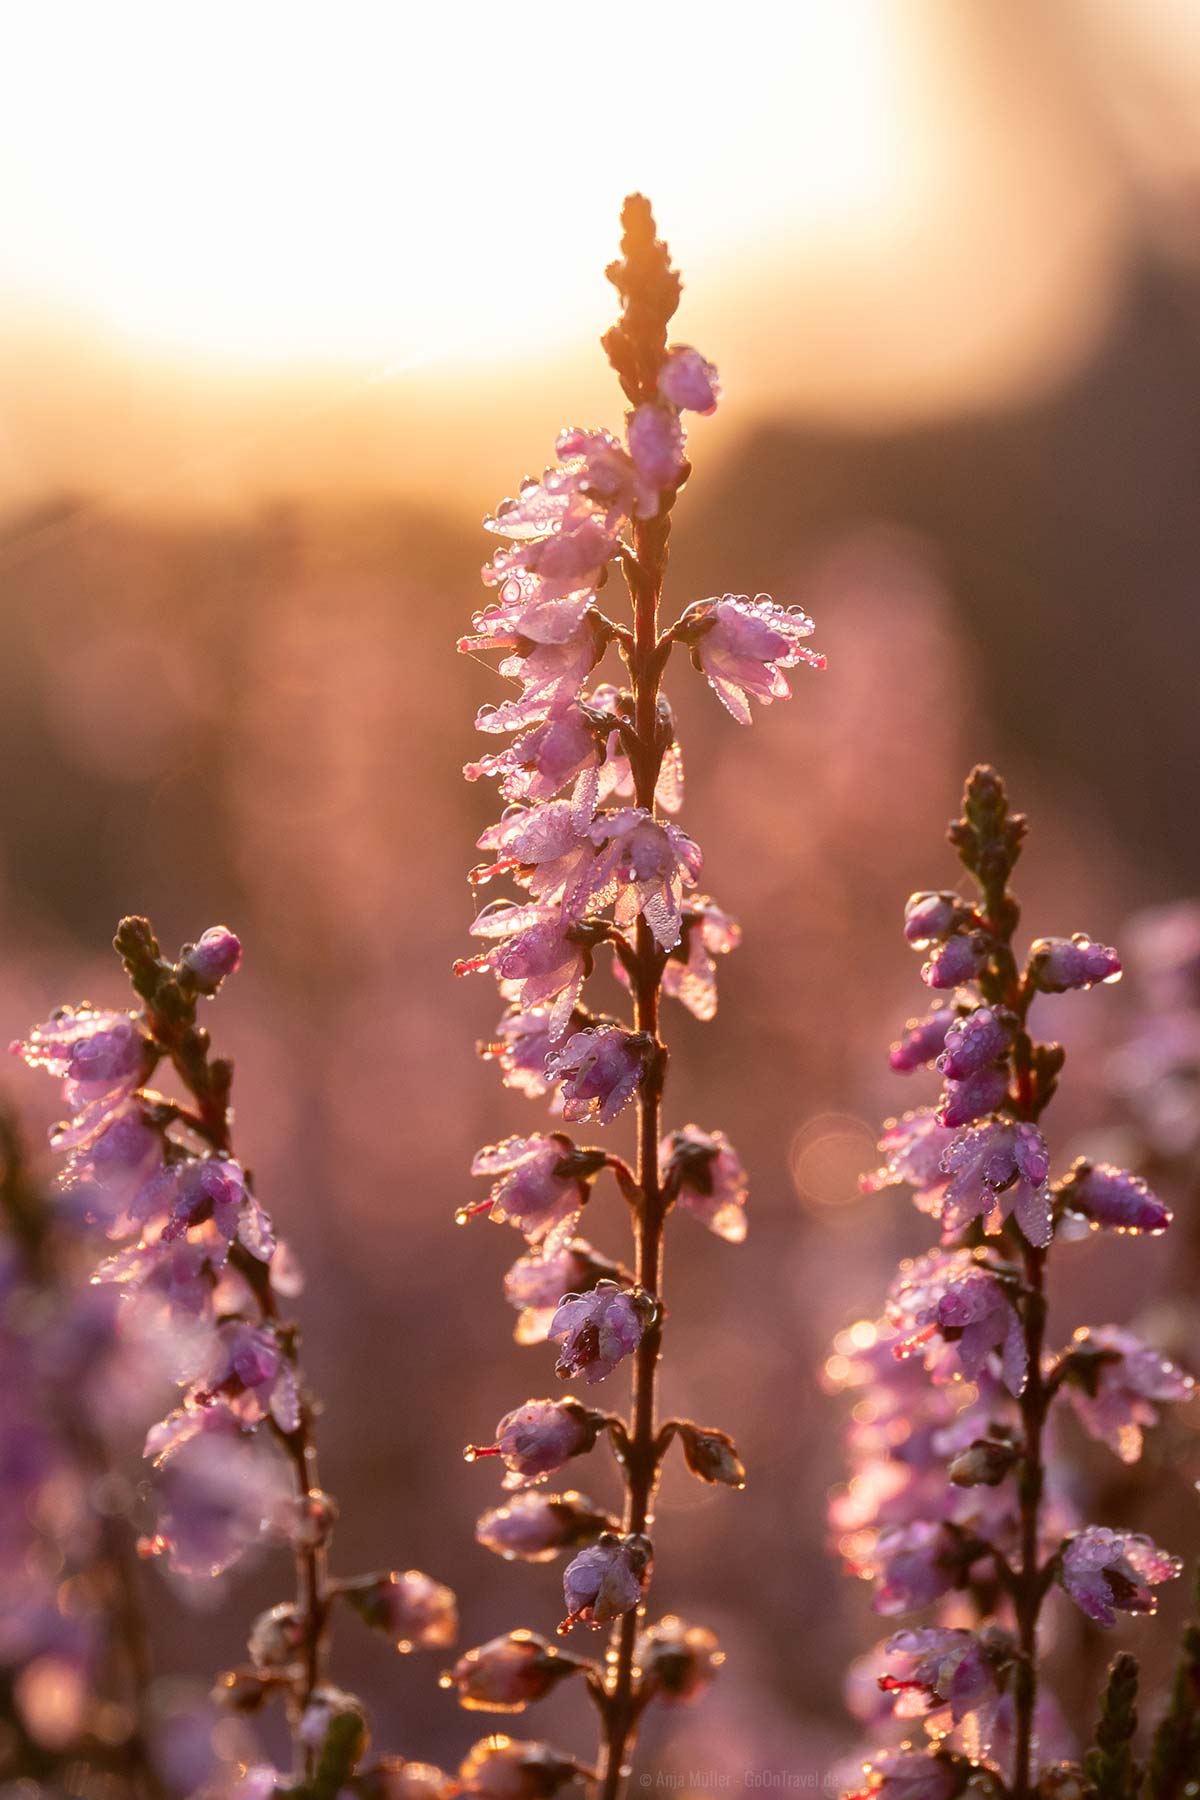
pixel 392 183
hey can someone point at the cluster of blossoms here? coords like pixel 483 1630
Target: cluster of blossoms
pixel 958 1509
pixel 194 1271
pixel 593 783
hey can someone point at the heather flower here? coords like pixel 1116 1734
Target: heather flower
pixel 650 864
pixel 537 1527
pixel 913 1565
pixel 1106 1572
pixel 251 1373
pixel 597 1330
pixel 704 1173
pixel 690 972
pixel 922 1043
pixel 975 1040
pixel 1113 1382
pixel 742 647
pixel 908 1774
pixel 600 1071
pixel 539 955
pixel 607 1579
pixel 509 1672
pixel 536 1283
pixel 541 1186
pixel 216 954
pixel 931 917
pixel 541 845
pixel 220 1494
pixel 913 1147
pixel 413 1610
pixel 688 381
pixel 543 761
pixel 1058 965
pixel 656 444
pixel 976 1095
pixel 679 1662
pixel 938 1668
pixel 1113 1199
pixel 503 1768
pixel 521 1046
pixel 962 1301
pixel 959 959
pixel 536 1439
pixel 999 1166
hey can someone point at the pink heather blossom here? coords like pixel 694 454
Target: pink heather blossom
pixel 1114 1200
pixel 913 1565
pixel 537 1527
pixel 688 381
pixel 541 1184
pixel 563 749
pixel 930 917
pixel 1059 965
pixel 908 1774
pixel 249 1371
pixel 551 677
pixel 939 1668
pixel 974 1040
pixel 114 1172
pixel 913 1147
pixel 536 953
pixel 563 562
pixel 211 1191
pixel 536 1283
pixel 704 1172
pixel 174 1275
pixel 603 470
pixel 508 1672
pixel 957 1297
pixel 690 973
pixel 742 647
pixel 646 864
pixel 607 1580
pixel 656 442
pixel 101 1058
pixel 679 1662
pixel 521 1046
pixel 922 1042
pixel 600 1071
pixel 221 1493
pixel 541 846
pixel 597 1330
pixel 978 1094
pixel 410 1608
pixel 957 960
pixel 1115 1383
pixel 503 1768
pixel 216 954
pixel 539 1437
pixel 1106 1572
pixel 999 1167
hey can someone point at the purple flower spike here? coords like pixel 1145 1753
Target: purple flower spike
pixel 1106 1572
pixel 974 1097
pixel 599 1329
pixel 976 1040
pixel 1114 1200
pixel 600 1071
pixel 1062 965
pixel 922 1043
pixel 688 381
pixel 536 1439
pixel 958 960
pixel 607 1580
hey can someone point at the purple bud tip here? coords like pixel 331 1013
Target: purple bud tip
pixel 217 954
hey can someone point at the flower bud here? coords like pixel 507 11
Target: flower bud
pixel 1062 965
pixel 678 1662
pixel 276 1637
pixel 503 1768
pixel 1114 1200
pixel 930 917
pixel 688 381
pixel 539 1437
pixel 597 1329
pixel 976 1040
pixel 416 1612
pixel 536 1526
pixel 922 1043
pixel 217 953
pixel 959 959
pixel 711 1454
pixel 606 1580
pixel 984 1463
pixel 508 1673
pixel 973 1098
pixel 335 1726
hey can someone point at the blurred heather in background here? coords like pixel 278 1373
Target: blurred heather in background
pixel 279 297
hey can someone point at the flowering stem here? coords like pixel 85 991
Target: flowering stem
pixel 645 657
pixel 209 1084
pixel 1029 1587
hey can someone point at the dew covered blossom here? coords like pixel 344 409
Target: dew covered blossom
pixel 587 830
pixel 194 1285
pixel 963 1507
